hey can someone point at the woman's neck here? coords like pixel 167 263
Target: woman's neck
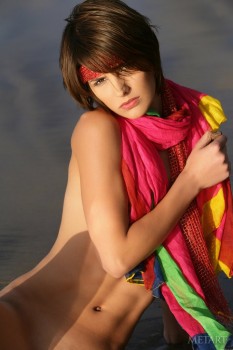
pixel 156 104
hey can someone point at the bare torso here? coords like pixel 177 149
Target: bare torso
pixel 68 301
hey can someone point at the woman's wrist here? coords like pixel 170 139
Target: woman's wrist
pixel 190 183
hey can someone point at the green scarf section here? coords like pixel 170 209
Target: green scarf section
pixel 180 287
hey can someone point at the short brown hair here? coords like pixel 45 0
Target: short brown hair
pixel 100 29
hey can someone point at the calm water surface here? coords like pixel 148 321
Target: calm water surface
pixel 37 115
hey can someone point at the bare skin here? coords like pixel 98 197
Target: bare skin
pixel 68 301
pixel 77 297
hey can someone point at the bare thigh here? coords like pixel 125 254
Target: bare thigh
pixel 173 332
pixel 12 333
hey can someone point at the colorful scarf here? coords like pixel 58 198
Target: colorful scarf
pixel 182 270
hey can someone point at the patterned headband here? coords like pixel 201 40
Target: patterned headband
pixel 87 74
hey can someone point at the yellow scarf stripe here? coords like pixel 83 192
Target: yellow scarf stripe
pixel 212 213
pixel 211 108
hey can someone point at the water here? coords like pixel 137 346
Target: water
pixel 37 115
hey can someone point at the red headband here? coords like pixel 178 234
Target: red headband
pixel 87 74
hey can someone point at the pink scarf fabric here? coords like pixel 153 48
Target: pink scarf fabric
pixel 142 139
pixel 147 183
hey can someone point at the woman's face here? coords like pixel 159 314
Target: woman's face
pixel 129 95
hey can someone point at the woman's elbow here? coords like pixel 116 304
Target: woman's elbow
pixel 115 268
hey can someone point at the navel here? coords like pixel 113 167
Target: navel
pixel 97 308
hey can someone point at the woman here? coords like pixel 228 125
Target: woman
pixel 111 65
pixel 127 190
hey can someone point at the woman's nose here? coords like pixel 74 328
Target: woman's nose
pixel 120 85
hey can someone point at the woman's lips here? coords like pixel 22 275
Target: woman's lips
pixel 130 103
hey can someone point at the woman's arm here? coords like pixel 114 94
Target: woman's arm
pixel 96 144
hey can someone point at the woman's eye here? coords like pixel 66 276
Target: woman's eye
pixel 123 68
pixel 99 81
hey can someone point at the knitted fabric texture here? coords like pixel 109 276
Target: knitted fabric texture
pixel 191 227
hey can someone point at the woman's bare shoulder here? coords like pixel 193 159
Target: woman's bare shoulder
pixel 96 125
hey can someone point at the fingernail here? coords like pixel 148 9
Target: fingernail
pixel 215 134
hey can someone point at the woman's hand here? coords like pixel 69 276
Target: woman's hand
pixel 208 163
